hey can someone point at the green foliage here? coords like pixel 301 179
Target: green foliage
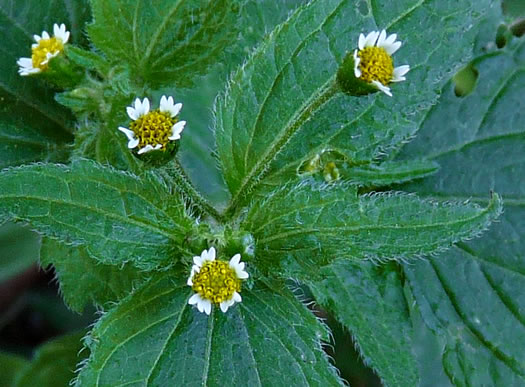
pixel 282 108
pixel 83 280
pixel 304 226
pixel 471 296
pixel 369 301
pixel 18 249
pixel 120 217
pixel 10 365
pixel 300 160
pixel 54 363
pixel 33 126
pixel 254 345
pixel 164 41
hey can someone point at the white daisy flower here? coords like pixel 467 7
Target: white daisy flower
pixel 373 61
pixel 44 50
pixel 215 281
pixel 152 130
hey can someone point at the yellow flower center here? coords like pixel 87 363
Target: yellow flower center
pixel 45 46
pixel 153 128
pixel 376 65
pixel 216 281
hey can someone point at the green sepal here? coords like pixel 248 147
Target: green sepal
pixel 348 82
pixel 160 157
pixel 62 73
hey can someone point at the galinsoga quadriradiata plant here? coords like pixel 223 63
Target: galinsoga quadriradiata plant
pixel 217 177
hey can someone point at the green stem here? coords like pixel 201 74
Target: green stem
pixel 186 187
pixel 305 112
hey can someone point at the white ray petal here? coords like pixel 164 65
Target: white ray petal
pixel 362 40
pixel 196 298
pixel 399 73
pixel 371 39
pixel 207 306
pixel 235 260
pixel 211 254
pixel 176 130
pixel 149 148
pixel 392 48
pixel 357 70
pixel 383 88
pixel 236 297
pixel 382 37
pixel 45 35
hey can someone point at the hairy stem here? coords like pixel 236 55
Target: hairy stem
pixel 185 186
pixel 306 111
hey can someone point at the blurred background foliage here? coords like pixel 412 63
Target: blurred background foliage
pixel 40 338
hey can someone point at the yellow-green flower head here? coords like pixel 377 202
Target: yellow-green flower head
pixel 373 61
pixel 215 281
pixel 44 50
pixel 152 130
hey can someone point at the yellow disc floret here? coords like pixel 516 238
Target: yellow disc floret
pixel 376 65
pixel 216 281
pixel 44 47
pixel 153 128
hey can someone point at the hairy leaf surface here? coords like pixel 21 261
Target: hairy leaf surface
pixel 368 300
pixel 84 281
pixel 303 226
pixel 164 41
pixel 164 341
pixel 119 217
pixel 283 107
pixel 473 295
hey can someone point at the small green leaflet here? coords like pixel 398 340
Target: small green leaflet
pixel 163 341
pixel 119 217
pixel 164 41
pixel 368 300
pixel 282 107
pixel 472 296
pixel 304 226
pixel 54 363
pixel 83 280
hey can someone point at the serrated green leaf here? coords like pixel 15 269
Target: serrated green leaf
pixel 54 363
pixel 33 126
pixel 11 365
pixel 282 107
pixel 164 41
pixel 252 344
pixel 119 217
pixel 388 173
pixel 19 248
pixel 303 226
pixel 83 280
pixel 369 301
pixel 472 296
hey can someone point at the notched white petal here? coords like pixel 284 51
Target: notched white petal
pixel 357 60
pixel 211 254
pixel 149 148
pixel 392 48
pixel 399 73
pixel 176 130
pixel 383 88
